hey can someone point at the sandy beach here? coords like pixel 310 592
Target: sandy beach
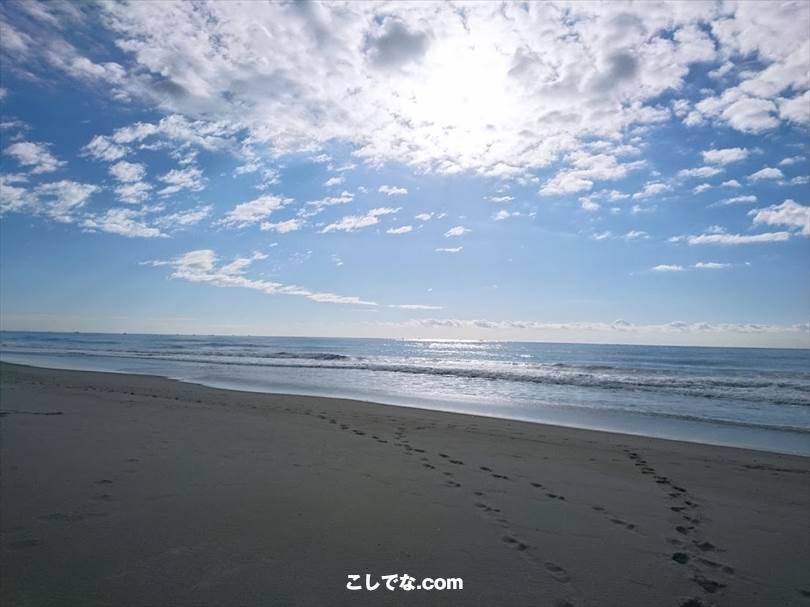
pixel 138 490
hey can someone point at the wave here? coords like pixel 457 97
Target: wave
pixel 192 355
pixel 598 377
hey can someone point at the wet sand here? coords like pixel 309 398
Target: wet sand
pixel 136 490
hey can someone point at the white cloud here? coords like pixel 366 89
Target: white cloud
pixel 725 156
pixel 789 214
pixel 619 331
pixel 203 266
pixel 314 207
pixel 122 221
pixel 34 156
pixel 14 125
pixel 392 190
pixel 721 71
pixel 399 230
pixel 367 78
pixel 792 160
pixel 58 200
pixel 747 199
pixel 504 214
pixel 585 169
pixel 133 193
pixel 449 249
pixel 183 219
pixel 282 227
pixel 409 83
pixel 636 235
pixel 102 148
pixel 652 188
pixel 351 223
pixel 333 181
pixel 710 265
pixel 176 132
pixel 796 109
pixel 703 172
pixel 182 179
pixel 128 172
pixel 248 213
pixel 456 231
pixel 766 173
pixel 501 199
pixel 723 238
pixel 731 183
pixel 586 203
pixel 740 111
pixel 424 216
pixel 667 268
pixel 66 197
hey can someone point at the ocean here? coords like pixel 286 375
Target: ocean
pixel 745 397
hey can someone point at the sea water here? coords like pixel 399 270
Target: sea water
pixel 748 397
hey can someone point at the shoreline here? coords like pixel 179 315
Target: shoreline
pixel 144 490
pixel 733 435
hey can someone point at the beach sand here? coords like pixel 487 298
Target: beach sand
pixel 136 490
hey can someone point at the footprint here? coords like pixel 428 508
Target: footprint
pixel 725 568
pixel 681 558
pixel 485 469
pixel 537 485
pixel 458 462
pixel 104 481
pixel 706 546
pixel 557 572
pixel 708 585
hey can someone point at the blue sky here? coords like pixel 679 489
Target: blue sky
pixel 617 173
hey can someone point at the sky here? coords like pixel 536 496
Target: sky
pixel 579 172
